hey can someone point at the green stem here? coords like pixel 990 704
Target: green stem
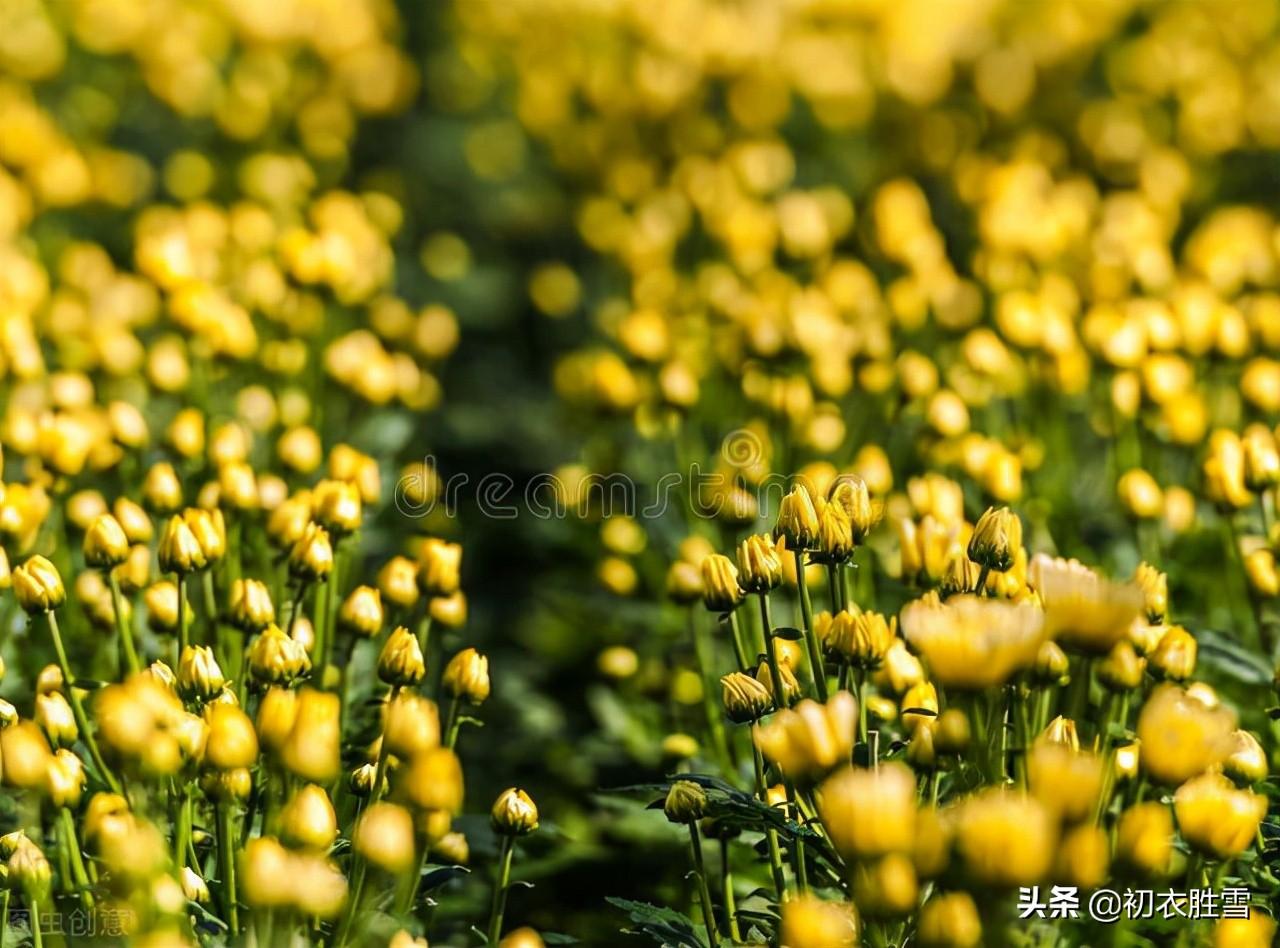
pixel 452 723
pixel 424 631
pixel 980 588
pixel 227 860
pixel 739 650
pixel 77 860
pixel 726 893
pixel 409 892
pixel 37 937
pixel 771 835
pixel 499 904
pixel 771 654
pixel 183 639
pixel 122 624
pixel 797 844
pixel 77 707
pixel 710 709
pixel 704 892
pixel 810 637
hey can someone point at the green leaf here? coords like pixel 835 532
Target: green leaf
pixel 665 926
pixel 1232 659
pixel 788 633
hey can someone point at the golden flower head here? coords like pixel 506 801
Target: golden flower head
pixel 179 551
pixel 251 608
pixel 860 639
pixel 467 676
pixel 439 567
pixel 720 589
pixel 400 663
pixel 275 658
pixel 1247 762
pixel 1005 838
pixel 199 677
pixel 1174 657
pixel 869 813
pixel 807 741
pixel 1181 737
pixel 38 586
pixel 950 920
pixel 513 813
pixel 797 520
pixel 809 922
pixel 311 751
pixel 308 820
pixel 232 742
pixel 686 802
pixel 1216 817
pixel 759 565
pixel 105 543
pixel 1140 494
pixel 384 836
pixel 311 557
pixel 745 699
pixel 970 642
pixel 849 494
pixel 1155 591
pixel 361 612
pixel 54 715
pixel 1082 609
pixel 996 539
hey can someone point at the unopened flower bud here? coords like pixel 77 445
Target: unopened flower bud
pixel 513 813
pixel 161 488
pixel 361 612
pixel 398 581
pixel 401 663
pixel 276 659
pixel 384 836
pixel 311 558
pixel 745 698
pixel 194 888
pixel 179 551
pixel 199 677
pixel 336 506
pixel 686 802
pixel 759 565
pixel 439 567
pixel 66 779
pixel 1122 669
pixel 251 608
pixel 105 543
pixel 1140 494
pixel 720 589
pixel 1175 657
pixel 797 520
pixel 56 719
pixel 467 676
pixel 1247 762
pixel 996 539
pixel 312 750
pixel 308 820
pixel 210 530
pixel 38 586
pixel 162 607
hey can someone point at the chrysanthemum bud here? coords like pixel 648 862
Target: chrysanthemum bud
pixel 66 779
pixel 951 733
pixel 232 740
pixel 276 659
pixel 809 922
pixel 237 486
pixel 311 558
pixel 194 888
pixel 199 677
pixel 1144 838
pixel 720 589
pixel 452 848
pixel 449 612
pixel 835 535
pixel 361 612
pixel 433 780
pixel 861 639
pixel 26 756
pixel 56 719
pixel 1247 762
pixel 1051 665
pixel 30 871
pixel 105 543
pixel 336 506
pixel 308 820
pixel 38 587
pixel 849 492
pixel 1175 657
pixel 1062 732
pixel 162 607
pixel 410 724
pixel 401 662
pixel 361 780
pixel 996 539
pixel 384 836
pixel 797 520
pixel 133 521
pixel 179 551
pixel 289 521
pixel 439 567
pixel 745 698
pixel 135 572
pixel 467 676
pixel 1122 669
pixel 1140 494
pixel 513 813
pixel 791 689
pixel 1217 818
pixel 684 583
pixel 759 565
pixel 312 750
pixel 1260 568
pixel 161 489
pixel 251 608
pixel 277 712
pixel 210 530
pixel 950 920
pixel 398 581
